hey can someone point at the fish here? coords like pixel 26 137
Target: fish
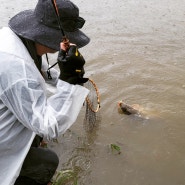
pixel 128 109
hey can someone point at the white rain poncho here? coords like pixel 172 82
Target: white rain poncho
pixel 24 108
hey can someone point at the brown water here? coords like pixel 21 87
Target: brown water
pixel 136 54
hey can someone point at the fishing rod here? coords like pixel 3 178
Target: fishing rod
pixel 64 38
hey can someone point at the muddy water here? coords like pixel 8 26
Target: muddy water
pixel 136 54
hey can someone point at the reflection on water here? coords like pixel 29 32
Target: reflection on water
pixel 136 54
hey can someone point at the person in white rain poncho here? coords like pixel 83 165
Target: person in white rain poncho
pixel 26 114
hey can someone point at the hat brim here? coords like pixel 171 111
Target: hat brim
pixel 25 24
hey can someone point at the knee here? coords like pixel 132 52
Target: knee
pixel 52 159
pixel 51 164
pixel 40 165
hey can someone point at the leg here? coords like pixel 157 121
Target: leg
pixel 38 168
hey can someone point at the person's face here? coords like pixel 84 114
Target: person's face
pixel 41 50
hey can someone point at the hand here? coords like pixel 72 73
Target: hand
pixel 71 64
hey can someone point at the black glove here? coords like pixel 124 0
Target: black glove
pixel 71 66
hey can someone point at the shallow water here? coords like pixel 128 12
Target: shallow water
pixel 136 54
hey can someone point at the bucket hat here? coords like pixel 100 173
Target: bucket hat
pixel 40 25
